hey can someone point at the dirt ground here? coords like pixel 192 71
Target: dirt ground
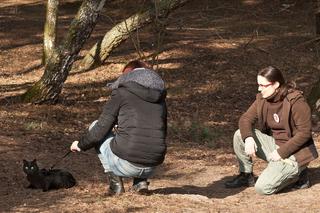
pixel 210 55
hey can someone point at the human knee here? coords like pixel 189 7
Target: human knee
pixel 237 139
pixel 264 189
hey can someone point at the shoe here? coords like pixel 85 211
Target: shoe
pixel 303 181
pixel 115 184
pixel 243 179
pixel 140 185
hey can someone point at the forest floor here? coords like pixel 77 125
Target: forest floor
pixel 209 57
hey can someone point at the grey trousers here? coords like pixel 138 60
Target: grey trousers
pixel 277 175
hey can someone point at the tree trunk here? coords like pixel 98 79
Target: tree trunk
pixel 50 27
pixel 314 98
pixel 317 23
pixel 47 89
pixel 317 16
pixel 119 33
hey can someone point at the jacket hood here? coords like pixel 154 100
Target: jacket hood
pixel 145 77
pixel 145 83
pixel 147 94
pixel 291 96
pixel 294 96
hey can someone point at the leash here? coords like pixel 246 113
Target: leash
pixel 59 160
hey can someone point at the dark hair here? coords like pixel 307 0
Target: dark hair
pixel 135 64
pixel 273 74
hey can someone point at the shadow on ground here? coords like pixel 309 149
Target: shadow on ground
pixel 214 190
pixel 217 190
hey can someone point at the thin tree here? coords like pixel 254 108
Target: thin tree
pixel 314 98
pixel 58 65
pixel 120 32
pixel 317 16
pixel 50 28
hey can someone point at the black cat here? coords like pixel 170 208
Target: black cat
pixel 47 179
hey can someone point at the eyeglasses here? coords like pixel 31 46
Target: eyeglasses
pixel 265 85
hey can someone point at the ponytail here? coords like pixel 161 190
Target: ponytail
pixel 287 88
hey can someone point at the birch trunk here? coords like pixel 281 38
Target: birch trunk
pixel 48 88
pixel 50 28
pixel 119 33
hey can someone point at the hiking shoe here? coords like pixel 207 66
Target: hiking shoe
pixel 303 181
pixel 243 179
pixel 141 187
pixel 115 184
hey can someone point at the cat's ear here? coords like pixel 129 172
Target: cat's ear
pixel 34 161
pixel 24 161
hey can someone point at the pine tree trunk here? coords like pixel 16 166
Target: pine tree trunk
pixel 317 16
pixel 314 98
pixel 119 33
pixel 48 88
pixel 49 36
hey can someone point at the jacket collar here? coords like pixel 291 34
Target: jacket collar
pixel 286 109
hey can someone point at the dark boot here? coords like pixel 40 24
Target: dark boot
pixel 243 179
pixel 303 181
pixel 115 184
pixel 140 185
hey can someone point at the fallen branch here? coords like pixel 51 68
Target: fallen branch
pixel 307 42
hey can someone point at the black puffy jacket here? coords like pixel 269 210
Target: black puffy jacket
pixel 140 114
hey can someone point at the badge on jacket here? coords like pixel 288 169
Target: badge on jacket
pixel 276 118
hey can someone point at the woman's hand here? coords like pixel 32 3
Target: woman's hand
pixel 74 147
pixel 250 146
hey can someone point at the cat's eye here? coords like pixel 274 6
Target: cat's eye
pixel 26 167
pixel 32 167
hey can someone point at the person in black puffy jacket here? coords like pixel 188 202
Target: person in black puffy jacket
pixel 130 133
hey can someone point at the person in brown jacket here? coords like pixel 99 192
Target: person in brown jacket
pixel 282 138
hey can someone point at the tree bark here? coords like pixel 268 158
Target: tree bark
pixel 48 88
pixel 317 17
pixel 119 33
pixel 314 98
pixel 50 28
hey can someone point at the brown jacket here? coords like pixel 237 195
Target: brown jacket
pixel 297 117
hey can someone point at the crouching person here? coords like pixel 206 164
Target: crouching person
pixel 130 133
pixel 283 139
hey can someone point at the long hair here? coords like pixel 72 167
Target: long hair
pixel 135 64
pixel 273 74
